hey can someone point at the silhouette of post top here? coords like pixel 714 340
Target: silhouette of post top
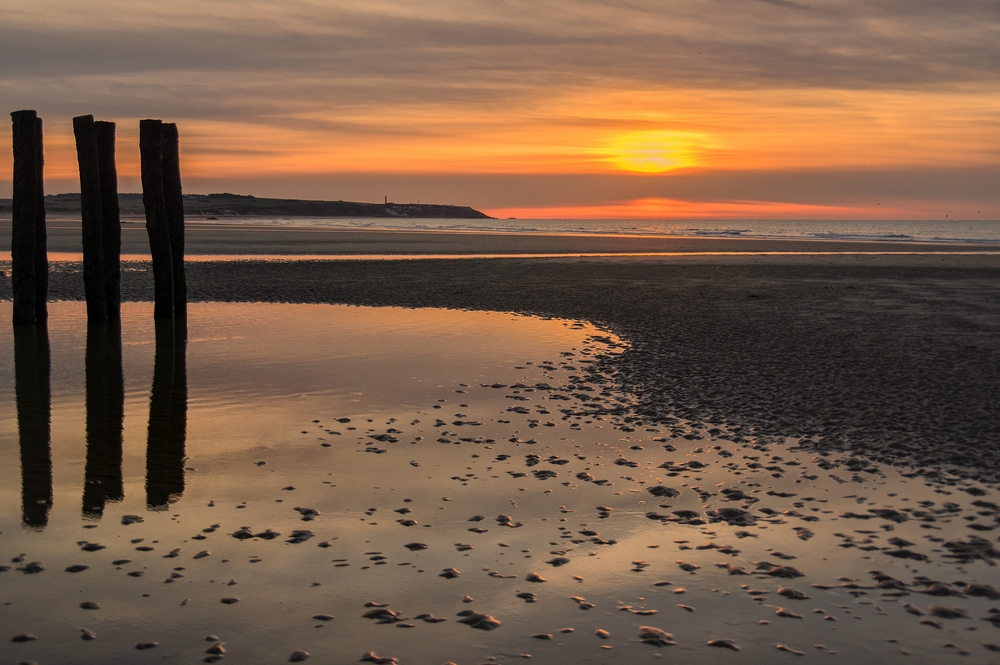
pixel 29 259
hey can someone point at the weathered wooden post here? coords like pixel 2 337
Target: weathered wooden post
pixel 41 250
pixel 174 197
pixel 29 262
pixel 151 157
pixel 111 225
pixel 91 209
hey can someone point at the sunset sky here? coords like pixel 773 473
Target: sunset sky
pixel 559 108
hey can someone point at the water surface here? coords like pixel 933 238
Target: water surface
pixel 388 447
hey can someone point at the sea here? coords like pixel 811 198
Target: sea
pixel 953 231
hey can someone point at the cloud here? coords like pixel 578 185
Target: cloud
pixel 250 60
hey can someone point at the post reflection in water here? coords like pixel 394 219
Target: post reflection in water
pixel 167 415
pixel 34 406
pixel 105 416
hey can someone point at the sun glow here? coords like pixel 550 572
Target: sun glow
pixel 654 151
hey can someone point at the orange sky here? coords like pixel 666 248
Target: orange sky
pixel 338 100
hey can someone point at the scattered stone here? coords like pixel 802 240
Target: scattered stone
pixel 382 615
pixel 948 612
pixel 298 656
pixel 77 569
pixel 478 620
pixel 792 593
pixel 724 644
pixel 655 636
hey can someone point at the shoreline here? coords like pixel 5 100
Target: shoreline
pixel 64 238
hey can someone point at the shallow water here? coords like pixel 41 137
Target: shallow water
pixel 242 418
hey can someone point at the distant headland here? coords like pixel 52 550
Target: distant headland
pixel 236 205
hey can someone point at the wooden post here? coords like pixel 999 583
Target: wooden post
pixel 90 210
pixel 41 252
pixel 150 152
pixel 24 218
pixel 175 212
pixel 111 225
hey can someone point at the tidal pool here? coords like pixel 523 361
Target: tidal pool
pixel 253 483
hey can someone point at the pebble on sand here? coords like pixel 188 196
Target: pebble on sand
pixel 449 573
pixel 24 637
pixel 298 656
pixel 655 636
pixel 479 620
pixel 948 612
pixel 534 577
pixel 372 657
pixel 724 644
pixel 785 647
pixel 783 612
pixel 229 601
pixel 142 646
pixel 89 605
pixel 87 634
pixel 77 569
pixel 792 593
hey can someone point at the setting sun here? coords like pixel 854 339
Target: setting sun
pixel 654 151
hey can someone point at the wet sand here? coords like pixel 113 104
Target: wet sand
pixel 891 355
pixel 440 486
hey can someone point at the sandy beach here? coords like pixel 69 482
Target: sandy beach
pixel 886 349
pixel 714 455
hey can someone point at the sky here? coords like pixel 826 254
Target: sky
pixel 843 109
